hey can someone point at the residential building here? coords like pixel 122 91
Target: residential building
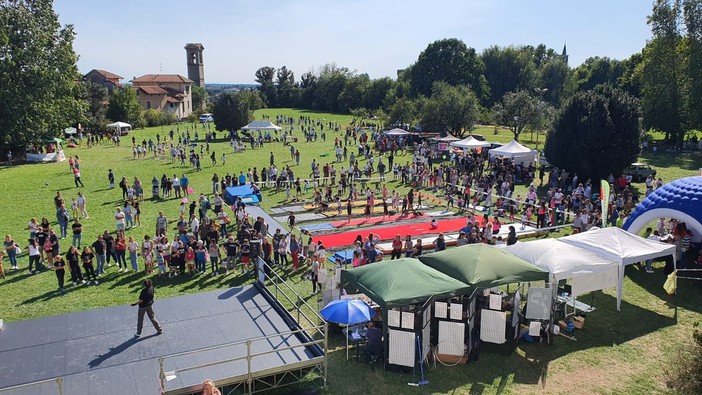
pixel 104 78
pixel 165 92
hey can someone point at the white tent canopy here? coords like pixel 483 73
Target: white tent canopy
pixel 119 126
pixel 516 151
pixel 621 246
pixel 470 142
pixel 261 125
pixel 396 132
pixel 561 259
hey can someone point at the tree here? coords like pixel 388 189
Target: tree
pixel 452 109
pixel 354 93
pixel 403 110
pixel 556 78
pixel 39 97
pixel 330 83
pixel 378 90
pixel 232 110
pixel 692 15
pixel 596 133
pixel 308 85
pixel 125 107
pixel 661 74
pixel 450 61
pixel 508 69
pixel 519 110
pixel 95 96
pixel 199 95
pixel 598 71
pixel 264 76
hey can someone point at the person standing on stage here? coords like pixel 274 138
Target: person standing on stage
pixel 146 306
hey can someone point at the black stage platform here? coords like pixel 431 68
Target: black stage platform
pixel 95 351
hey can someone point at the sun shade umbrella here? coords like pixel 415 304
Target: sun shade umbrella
pixel 347 312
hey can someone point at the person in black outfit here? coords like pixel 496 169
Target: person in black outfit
pixel 146 306
pixel 60 269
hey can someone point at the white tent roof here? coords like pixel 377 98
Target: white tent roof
pixel 510 149
pixel 623 247
pixel 119 125
pixel 396 132
pixel 261 125
pixel 470 142
pixel 620 245
pixel 561 259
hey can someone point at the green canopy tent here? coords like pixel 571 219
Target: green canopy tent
pixel 402 282
pixel 483 266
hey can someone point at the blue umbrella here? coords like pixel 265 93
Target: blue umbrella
pixel 347 312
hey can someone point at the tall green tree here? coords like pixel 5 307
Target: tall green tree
pixel 39 96
pixel 598 71
pixel 508 69
pixel 452 109
pixel 378 90
pixel 692 15
pixel 521 110
pixel 330 83
pixel 232 110
pixel 95 96
pixel 450 61
pixel 596 133
pixel 556 78
pixel 265 76
pixel 199 95
pixel 661 72
pixel 125 107
pixel 354 93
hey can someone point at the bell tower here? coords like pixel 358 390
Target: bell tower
pixel 196 69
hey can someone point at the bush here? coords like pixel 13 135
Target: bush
pixel 153 117
pixel 685 376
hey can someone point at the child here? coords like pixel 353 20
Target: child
pixel 190 260
pixel 111 178
pixel 245 250
pixel 148 261
pixel 524 220
pixel 434 224
pixel 161 263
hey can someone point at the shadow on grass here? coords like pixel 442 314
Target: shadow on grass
pixel 687 291
pixel 683 160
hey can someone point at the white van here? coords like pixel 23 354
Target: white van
pixel 204 118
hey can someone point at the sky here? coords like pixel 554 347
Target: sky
pixel 377 37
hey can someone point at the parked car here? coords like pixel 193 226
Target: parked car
pixel 204 118
pixel 639 171
pixel 479 137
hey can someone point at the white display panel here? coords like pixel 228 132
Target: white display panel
pixel 402 347
pixel 394 318
pixel 539 304
pixel 407 321
pixel 492 326
pixel 456 311
pixel 451 338
pixel 440 309
pixel 495 302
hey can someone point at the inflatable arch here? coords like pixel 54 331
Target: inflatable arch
pixel 680 199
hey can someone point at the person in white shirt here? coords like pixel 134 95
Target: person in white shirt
pixel 119 218
pixel 194 225
pixel 82 205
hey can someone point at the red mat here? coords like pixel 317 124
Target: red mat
pixel 345 239
pixel 375 220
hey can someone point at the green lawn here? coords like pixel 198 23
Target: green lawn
pixel 617 352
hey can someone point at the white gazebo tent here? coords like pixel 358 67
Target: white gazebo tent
pixel 396 132
pixel 588 270
pixel 121 127
pixel 621 246
pixel 517 152
pixel 470 142
pixel 261 125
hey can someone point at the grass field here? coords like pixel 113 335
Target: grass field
pixel 617 352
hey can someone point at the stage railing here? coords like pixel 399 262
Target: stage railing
pixel 27 386
pixel 315 330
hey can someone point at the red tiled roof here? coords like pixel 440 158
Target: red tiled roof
pixel 153 90
pixel 171 99
pixel 161 78
pixel 109 75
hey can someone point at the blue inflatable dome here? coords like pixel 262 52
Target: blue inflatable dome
pixel 680 199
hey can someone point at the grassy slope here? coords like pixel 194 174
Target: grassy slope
pixel 638 341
